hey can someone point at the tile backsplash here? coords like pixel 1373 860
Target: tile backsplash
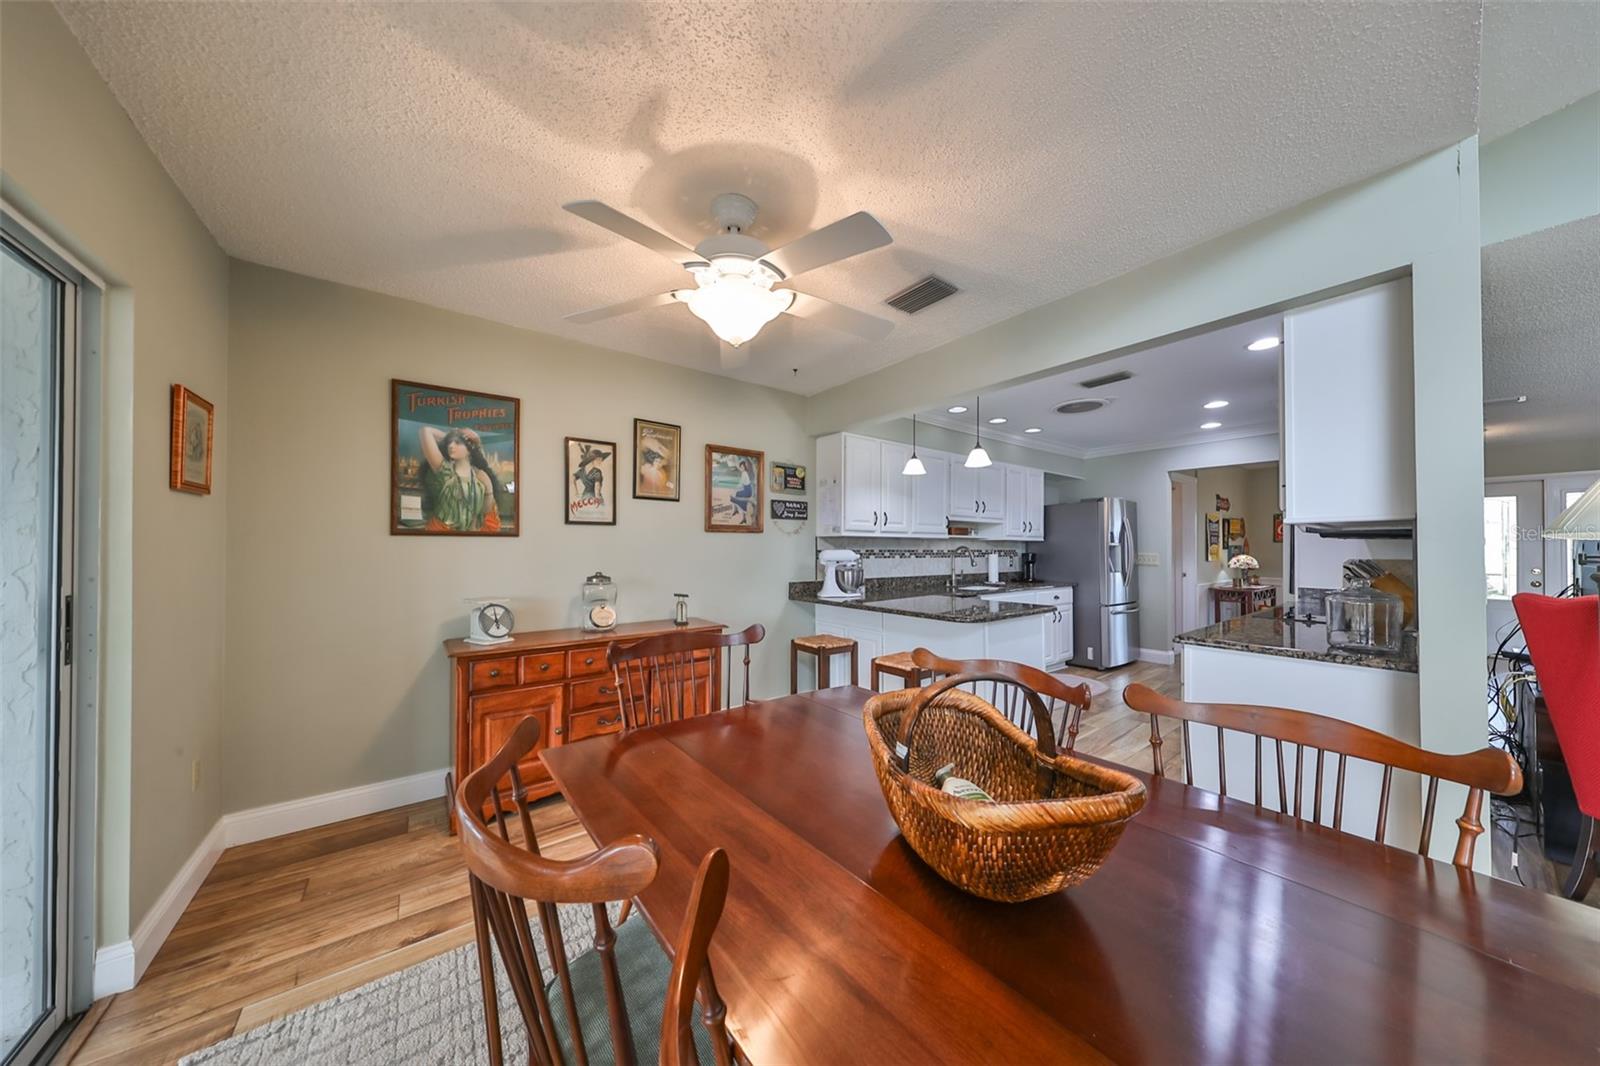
pixel 932 557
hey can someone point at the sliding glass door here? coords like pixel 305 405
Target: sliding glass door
pixel 38 317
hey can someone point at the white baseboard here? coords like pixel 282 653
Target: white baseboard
pixel 113 969
pixel 118 967
pixel 1150 655
pixel 276 819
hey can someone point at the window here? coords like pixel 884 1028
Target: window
pixel 1500 545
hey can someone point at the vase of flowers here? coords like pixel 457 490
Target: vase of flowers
pixel 1244 568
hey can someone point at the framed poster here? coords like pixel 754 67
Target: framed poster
pixel 192 431
pixel 454 458
pixel 735 500
pixel 657 460
pixel 591 482
pixel 1277 528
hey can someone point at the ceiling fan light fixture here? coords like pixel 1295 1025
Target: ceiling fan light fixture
pixel 735 297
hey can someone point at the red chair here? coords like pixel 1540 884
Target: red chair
pixel 1563 636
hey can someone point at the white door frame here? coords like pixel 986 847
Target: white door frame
pixel 1185 613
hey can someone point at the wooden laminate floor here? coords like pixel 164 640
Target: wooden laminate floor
pixel 287 922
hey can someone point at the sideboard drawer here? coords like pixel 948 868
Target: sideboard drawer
pixel 581 725
pixel 593 693
pixel 493 673
pixel 547 666
pixel 586 662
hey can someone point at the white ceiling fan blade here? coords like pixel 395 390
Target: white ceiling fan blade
pixel 626 307
pixel 636 231
pixel 849 236
pixel 837 316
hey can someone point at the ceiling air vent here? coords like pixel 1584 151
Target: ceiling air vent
pixel 1080 407
pixel 1109 379
pixel 930 290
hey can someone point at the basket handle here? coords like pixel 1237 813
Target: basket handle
pixel 1045 740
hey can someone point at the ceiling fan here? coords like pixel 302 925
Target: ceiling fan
pixel 735 274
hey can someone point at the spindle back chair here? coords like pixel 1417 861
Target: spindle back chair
pixel 506 872
pixel 1008 693
pixel 674 676
pixel 1484 770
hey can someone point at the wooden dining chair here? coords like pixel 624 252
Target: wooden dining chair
pixel 675 675
pixel 1484 770
pixel 1010 696
pixel 506 873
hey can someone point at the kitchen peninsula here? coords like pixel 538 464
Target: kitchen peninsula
pixel 1016 620
pixel 1272 658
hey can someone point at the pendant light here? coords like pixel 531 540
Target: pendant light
pixel 977 458
pixel 914 467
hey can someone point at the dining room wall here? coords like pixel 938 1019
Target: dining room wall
pixel 76 168
pixel 336 677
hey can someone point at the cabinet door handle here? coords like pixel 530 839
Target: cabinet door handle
pixel 886 518
pixel 558 731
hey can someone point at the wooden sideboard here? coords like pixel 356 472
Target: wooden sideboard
pixel 560 677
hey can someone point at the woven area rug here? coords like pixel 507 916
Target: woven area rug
pixel 428 1013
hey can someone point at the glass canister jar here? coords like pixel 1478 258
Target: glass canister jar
pixel 599 602
pixel 1363 619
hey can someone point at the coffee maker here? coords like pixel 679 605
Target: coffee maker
pixel 1025 564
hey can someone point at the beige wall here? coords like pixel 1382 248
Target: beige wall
pixel 1517 458
pixel 74 164
pixel 335 674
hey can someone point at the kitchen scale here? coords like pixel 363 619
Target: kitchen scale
pixel 489 622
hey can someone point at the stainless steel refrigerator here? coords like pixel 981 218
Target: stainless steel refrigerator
pixel 1091 544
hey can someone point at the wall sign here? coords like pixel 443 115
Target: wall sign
pixel 796 509
pixel 788 477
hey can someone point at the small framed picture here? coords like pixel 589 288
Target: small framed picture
pixel 788 477
pixel 192 431
pixel 591 482
pixel 1277 528
pixel 735 499
pixel 657 460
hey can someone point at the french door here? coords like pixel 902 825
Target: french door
pixel 1513 551
pixel 38 342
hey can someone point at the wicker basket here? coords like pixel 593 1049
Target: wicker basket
pixel 1054 820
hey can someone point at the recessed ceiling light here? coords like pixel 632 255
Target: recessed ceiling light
pixel 1214 404
pixel 997 421
pixel 1210 425
pixel 957 410
pixel 1033 429
pixel 1265 344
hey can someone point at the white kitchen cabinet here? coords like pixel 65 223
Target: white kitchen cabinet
pixel 894 496
pixel 1024 503
pixel 964 502
pixel 992 493
pixel 1058 626
pixel 1032 521
pixel 1348 439
pixel 862 483
pixel 930 496
pixel 1015 525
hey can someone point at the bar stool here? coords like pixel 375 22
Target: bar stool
pixel 899 665
pixel 824 646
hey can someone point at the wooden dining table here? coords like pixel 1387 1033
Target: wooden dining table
pixel 1215 932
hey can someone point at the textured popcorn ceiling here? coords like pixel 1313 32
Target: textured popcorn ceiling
pixel 1023 151
pixel 1538 57
pixel 1541 333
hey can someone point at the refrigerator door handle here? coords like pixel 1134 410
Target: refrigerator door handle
pixel 1124 610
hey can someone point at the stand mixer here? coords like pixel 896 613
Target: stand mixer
pixel 841 575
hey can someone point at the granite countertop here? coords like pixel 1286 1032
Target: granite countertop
pixel 918 598
pixel 1271 633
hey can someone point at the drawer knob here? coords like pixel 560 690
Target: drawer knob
pixel 606 721
pixel 605 690
pixel 495 672
pixel 589 661
pixel 543 667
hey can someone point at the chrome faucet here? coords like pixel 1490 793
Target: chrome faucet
pixel 962 552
